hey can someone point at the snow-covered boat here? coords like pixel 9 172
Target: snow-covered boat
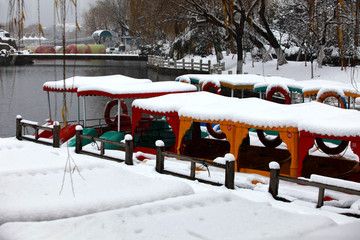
pixel 116 88
pixel 237 117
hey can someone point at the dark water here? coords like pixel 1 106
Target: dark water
pixel 21 89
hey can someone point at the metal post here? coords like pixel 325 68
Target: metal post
pixel 84 109
pixel 78 109
pixel 119 113
pixel 49 106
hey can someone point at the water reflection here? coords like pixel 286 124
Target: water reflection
pixel 21 89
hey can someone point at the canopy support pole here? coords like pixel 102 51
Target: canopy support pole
pixel 84 108
pixel 78 110
pixel 119 113
pixel 49 105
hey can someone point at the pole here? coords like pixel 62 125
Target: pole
pixel 49 105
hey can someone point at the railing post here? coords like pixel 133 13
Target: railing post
pixel 192 64
pixel 18 127
pixel 192 170
pixel 129 145
pixel 201 64
pixel 230 171
pixel 56 134
pixel 274 179
pixel 183 63
pixel 175 63
pixel 160 147
pixel 78 144
pixel 321 195
pixel 209 65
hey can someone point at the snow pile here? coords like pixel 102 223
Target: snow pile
pixel 34 186
pixel 205 215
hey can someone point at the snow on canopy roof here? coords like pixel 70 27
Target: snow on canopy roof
pixel 306 86
pixel 232 80
pixel 152 89
pixel 72 84
pixel 316 85
pixel 173 102
pixel 275 80
pixel 314 117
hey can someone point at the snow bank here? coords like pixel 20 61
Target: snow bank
pixel 207 215
pixel 31 181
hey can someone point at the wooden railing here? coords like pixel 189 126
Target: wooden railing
pixel 128 145
pixel 315 181
pixel 22 124
pixel 229 167
pixel 161 62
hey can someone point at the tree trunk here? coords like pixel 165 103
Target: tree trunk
pixel 280 56
pixel 321 56
pixel 240 59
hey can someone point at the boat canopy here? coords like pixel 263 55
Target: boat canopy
pixel 117 86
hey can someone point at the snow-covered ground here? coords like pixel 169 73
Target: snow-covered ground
pixel 99 199
pixel 44 195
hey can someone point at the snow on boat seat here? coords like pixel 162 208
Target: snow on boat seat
pixel 158 130
pixel 73 83
pixel 86 131
pixel 113 136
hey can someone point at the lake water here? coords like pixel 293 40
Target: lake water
pixel 21 89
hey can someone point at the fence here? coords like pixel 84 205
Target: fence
pixel 161 62
pixel 128 145
pixel 55 129
pixel 315 181
pixel 229 166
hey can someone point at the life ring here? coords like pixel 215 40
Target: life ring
pixel 273 143
pixel 326 95
pixel 331 150
pixel 211 131
pixel 109 105
pixel 319 141
pixel 215 134
pixel 213 85
pixel 281 90
pixel 270 143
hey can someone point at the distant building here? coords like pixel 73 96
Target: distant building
pixel 102 37
pixel 6 38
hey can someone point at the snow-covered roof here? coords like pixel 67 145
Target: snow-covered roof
pixel 73 83
pixel 117 86
pixel 233 81
pixel 314 117
pixel 260 83
pixel 141 90
pixel 173 102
